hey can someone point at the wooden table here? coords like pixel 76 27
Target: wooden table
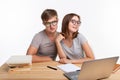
pixel 39 71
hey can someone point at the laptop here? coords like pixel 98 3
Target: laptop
pixel 94 69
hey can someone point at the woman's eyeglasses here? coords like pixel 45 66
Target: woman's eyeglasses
pixel 74 22
pixel 53 23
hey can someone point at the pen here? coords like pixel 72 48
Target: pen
pixel 51 67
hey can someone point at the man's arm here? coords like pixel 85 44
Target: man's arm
pixel 35 58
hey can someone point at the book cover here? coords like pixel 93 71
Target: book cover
pixel 116 68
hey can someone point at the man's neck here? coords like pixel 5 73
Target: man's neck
pixel 50 34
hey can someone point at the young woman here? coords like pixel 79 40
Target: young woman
pixel 42 47
pixel 72 46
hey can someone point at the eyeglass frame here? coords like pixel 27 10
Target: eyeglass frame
pixel 74 22
pixel 53 23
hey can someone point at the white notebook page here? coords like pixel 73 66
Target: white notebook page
pixel 68 67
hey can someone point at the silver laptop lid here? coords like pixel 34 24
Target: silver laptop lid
pixel 97 69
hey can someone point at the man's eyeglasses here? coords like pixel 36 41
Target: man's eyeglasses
pixel 74 22
pixel 53 23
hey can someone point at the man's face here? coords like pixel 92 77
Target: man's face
pixel 51 25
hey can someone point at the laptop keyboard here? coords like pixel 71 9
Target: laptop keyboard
pixel 73 75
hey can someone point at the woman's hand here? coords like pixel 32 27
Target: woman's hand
pixel 59 38
pixel 64 60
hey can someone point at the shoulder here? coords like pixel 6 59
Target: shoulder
pixel 58 33
pixel 40 34
pixel 81 38
pixel 80 35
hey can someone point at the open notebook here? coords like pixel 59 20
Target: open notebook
pixel 68 67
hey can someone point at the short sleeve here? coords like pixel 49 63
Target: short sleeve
pixel 81 38
pixel 36 41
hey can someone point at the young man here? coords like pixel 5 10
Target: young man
pixel 42 47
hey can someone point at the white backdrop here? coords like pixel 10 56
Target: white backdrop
pixel 20 20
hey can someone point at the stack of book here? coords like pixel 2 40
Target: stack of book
pixel 116 68
pixel 19 62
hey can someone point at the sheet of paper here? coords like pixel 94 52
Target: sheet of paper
pixel 68 67
pixel 3 59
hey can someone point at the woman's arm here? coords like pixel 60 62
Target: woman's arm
pixel 88 51
pixel 59 47
pixel 88 55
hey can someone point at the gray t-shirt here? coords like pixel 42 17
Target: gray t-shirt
pixel 44 45
pixel 75 51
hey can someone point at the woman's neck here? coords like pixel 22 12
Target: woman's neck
pixel 70 37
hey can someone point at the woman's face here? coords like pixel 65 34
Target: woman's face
pixel 74 24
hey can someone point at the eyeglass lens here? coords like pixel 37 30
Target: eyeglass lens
pixel 75 22
pixel 53 23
